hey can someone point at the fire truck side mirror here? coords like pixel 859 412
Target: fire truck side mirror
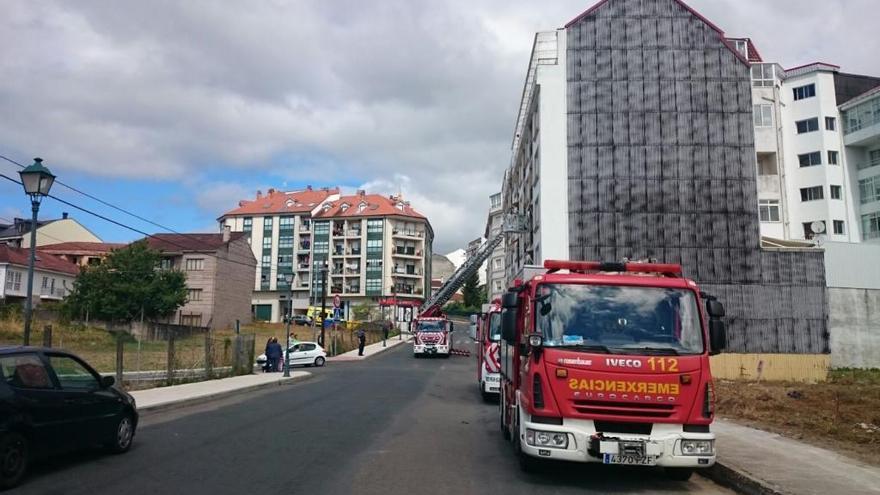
pixel 509 300
pixel 508 325
pixel 717 336
pixel 714 308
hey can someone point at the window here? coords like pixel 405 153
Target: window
pixel 763 115
pixel 804 92
pixel 193 295
pixel 322 247
pixel 73 375
pixel 375 226
pixel 869 189
pixel 191 320
pixel 762 75
pixel 496 286
pixel 45 282
pixel 374 285
pixel 195 264
pixel 812 193
pixel 285 223
pixel 862 116
pixel 832 158
pixel 871 226
pixel 247 224
pixel 810 159
pixel 322 228
pixel 374 246
pixel 873 160
pixel 498 263
pixel 285 242
pixel 267 242
pixel 769 210
pixel 495 201
pixel 10 276
pixel 839 227
pixel 830 124
pixel 808 125
pixel 266 260
pixel 836 192
pixel 13 280
pixel 374 265
pixel 166 264
pixel 267 223
pixel 24 371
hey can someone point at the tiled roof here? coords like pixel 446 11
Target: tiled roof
pixel 177 243
pixel 44 261
pixel 368 205
pixel 282 202
pixel 79 248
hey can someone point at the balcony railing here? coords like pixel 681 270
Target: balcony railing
pixel 407 251
pixel 352 290
pixel 304 246
pixel 407 233
pixel 870 163
pixel 53 292
pixel 353 233
pixel 305 228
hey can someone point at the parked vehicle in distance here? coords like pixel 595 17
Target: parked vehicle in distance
pixel 51 402
pixel 301 320
pixel 487 335
pixel 609 363
pixel 432 335
pixel 301 354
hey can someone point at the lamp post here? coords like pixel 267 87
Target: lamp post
pixel 288 278
pixel 394 296
pixel 37 181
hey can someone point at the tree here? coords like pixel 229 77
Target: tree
pixel 471 291
pixel 362 311
pixel 127 285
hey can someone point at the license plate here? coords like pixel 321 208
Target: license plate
pixel 631 460
pixel 493 389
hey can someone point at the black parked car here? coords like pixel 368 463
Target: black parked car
pixel 52 401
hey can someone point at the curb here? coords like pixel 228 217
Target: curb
pixel 168 406
pixel 738 481
pixel 364 358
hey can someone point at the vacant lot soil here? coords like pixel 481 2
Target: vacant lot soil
pixel 842 414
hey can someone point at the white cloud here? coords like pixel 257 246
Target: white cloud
pixel 350 90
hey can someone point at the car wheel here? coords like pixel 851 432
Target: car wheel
pixel 13 459
pixel 319 361
pixel 678 474
pixel 124 435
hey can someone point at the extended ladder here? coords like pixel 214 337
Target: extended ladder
pixel 433 304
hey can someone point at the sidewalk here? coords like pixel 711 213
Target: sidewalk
pixel 371 349
pixel 756 461
pixel 161 398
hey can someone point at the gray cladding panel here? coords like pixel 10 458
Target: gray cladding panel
pixel 661 163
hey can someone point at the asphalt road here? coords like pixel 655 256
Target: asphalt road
pixel 389 425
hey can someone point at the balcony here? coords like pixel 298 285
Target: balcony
pixel 875 162
pixel 415 234
pixel 407 272
pixel 53 293
pixel 305 228
pixel 304 247
pixel 352 289
pixel 353 233
pixel 407 251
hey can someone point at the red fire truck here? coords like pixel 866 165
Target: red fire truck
pixel 432 335
pixel 487 336
pixel 609 363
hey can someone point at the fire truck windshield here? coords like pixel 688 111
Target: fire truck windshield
pixel 495 327
pixel 431 326
pixel 619 319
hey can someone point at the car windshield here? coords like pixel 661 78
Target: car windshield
pixel 431 326
pixel 618 318
pixel 495 327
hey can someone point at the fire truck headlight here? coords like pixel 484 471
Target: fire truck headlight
pixel 553 439
pixel 697 447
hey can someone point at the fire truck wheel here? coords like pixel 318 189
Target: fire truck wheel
pixel 487 397
pixel 504 431
pixel 679 474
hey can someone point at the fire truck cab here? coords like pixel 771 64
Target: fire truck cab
pixel 432 335
pixel 487 336
pixel 609 363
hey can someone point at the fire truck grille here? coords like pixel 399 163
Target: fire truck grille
pixel 625 409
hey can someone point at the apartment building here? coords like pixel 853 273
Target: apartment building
pixel 635 139
pixel 219 271
pixel 496 281
pixel 53 276
pixel 373 247
pixel 861 139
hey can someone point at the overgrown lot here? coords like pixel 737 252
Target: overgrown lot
pixel 842 414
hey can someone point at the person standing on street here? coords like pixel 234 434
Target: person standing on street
pixel 362 340
pixel 274 354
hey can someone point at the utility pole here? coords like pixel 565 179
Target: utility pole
pixel 288 277
pixel 323 302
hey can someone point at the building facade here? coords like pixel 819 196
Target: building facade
pixel 81 253
pixel 64 229
pixel 53 276
pixel 219 271
pixel 635 139
pixel 373 246
pixel 496 281
pixel 861 139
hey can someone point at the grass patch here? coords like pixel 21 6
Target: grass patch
pixel 842 414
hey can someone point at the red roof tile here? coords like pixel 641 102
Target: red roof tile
pixel 79 248
pixel 44 261
pixel 283 202
pixel 177 243
pixel 368 205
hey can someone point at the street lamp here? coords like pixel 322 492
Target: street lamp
pixel 288 278
pixel 324 269
pixel 37 181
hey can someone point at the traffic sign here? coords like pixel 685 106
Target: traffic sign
pixel 337 301
pixel 337 313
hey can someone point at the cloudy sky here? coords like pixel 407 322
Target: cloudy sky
pixel 177 110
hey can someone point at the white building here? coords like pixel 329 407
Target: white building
pixel 861 138
pixel 53 276
pixel 496 281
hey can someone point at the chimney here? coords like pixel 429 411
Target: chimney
pixel 361 192
pixel 227 232
pixel 309 187
pixel 259 194
pixel 271 191
pixel 64 215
